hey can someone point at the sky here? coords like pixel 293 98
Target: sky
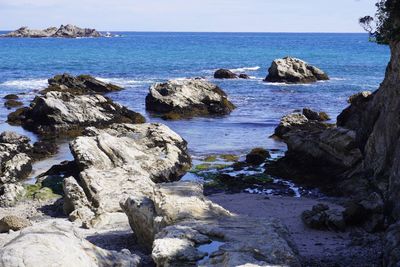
pixel 189 15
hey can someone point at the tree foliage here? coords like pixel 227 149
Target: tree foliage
pixel 384 27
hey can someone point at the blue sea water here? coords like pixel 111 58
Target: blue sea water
pixel 136 60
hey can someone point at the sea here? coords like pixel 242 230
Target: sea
pixel 136 60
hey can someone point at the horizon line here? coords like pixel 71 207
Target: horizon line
pixel 175 31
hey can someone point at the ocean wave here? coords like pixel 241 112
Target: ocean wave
pixel 25 84
pixel 246 69
pixel 125 82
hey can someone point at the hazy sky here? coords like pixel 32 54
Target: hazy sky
pixel 189 15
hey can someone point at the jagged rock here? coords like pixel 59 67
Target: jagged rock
pixel 293 70
pixel 349 117
pixel 57 114
pixel 176 219
pixel 225 74
pixel 121 161
pixel 314 115
pixel 187 98
pixel 47 244
pixel 10 194
pixel 82 84
pixel 297 121
pixel 13 223
pixel 14 162
pixel 67 31
pixel 76 204
pixel 321 217
pixel 257 156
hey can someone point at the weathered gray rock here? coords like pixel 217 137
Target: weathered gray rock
pixel 58 113
pixel 121 161
pixel 82 84
pixel 293 70
pixel 49 244
pixel 14 162
pixel 67 31
pixel 187 98
pixel 13 223
pixel 177 219
pixel 10 194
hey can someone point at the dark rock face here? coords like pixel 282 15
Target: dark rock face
pixel 60 114
pixel 293 70
pixel 244 76
pixel 257 156
pixel 178 99
pixel 11 97
pixel 67 31
pixel 315 116
pixel 82 84
pixel 225 74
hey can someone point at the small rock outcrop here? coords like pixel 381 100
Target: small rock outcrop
pixel 66 114
pixel 187 98
pixel 64 31
pixel 121 161
pixel 176 220
pixel 15 162
pixel 50 243
pixel 321 217
pixel 10 194
pixel 225 74
pixel 257 156
pixel 82 84
pixel 13 223
pixel 293 70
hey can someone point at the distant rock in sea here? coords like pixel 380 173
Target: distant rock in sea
pixel 294 70
pixel 64 31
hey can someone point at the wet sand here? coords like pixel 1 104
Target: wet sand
pixel 317 248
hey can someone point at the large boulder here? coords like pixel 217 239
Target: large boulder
pixel 293 70
pixel 67 31
pixel 58 114
pixel 82 84
pixel 177 221
pixel 121 161
pixel 10 194
pixel 187 98
pixel 318 153
pixel 13 223
pixel 59 244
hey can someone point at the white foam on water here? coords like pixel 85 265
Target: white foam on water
pixel 125 82
pixel 243 69
pixel 25 84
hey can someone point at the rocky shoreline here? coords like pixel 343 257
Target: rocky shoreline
pixel 126 177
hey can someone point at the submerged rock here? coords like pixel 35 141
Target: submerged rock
pixel 60 114
pixel 12 103
pixel 177 219
pixel 82 84
pixel 50 243
pixel 187 98
pixel 293 70
pixel 67 31
pixel 121 161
